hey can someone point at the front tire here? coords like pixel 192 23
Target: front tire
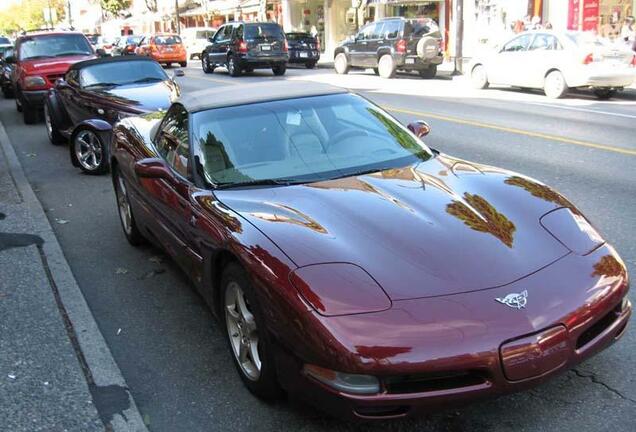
pixel 30 113
pixel 279 70
pixel 90 151
pixel 555 86
pixel 7 92
pixel 52 130
pixel 205 64
pixel 478 77
pixel 340 64
pixel 247 334
pixel 386 66
pixel 128 223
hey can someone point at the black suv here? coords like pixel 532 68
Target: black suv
pixel 243 46
pixel 392 44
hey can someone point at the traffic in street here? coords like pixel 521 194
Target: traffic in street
pixel 172 351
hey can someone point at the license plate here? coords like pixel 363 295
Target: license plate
pixel 169 49
pixel 304 54
pixel 266 47
pixel 410 61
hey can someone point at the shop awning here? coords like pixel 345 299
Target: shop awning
pixel 403 2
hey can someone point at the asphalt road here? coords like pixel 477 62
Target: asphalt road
pixel 171 351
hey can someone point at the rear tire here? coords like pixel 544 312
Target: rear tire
pixel 479 78
pixel 604 93
pixel 52 130
pixel 555 86
pixel 183 64
pixel 340 64
pixel 249 341
pixel 279 70
pixel 233 67
pixel 386 66
pixel 30 113
pixel 376 71
pixel 18 104
pixel 7 92
pixel 310 65
pixel 429 72
pixel 128 223
pixel 205 64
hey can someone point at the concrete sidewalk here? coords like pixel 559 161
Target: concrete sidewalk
pixel 56 372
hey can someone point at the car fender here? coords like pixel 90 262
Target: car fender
pixel 342 49
pixel 57 110
pixel 382 51
pixel 102 127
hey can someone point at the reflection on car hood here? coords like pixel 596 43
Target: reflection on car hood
pixel 140 98
pixel 441 227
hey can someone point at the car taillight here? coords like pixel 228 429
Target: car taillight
pixel 242 46
pixel 588 59
pixel 317 45
pixel 285 46
pixel 401 46
pixel 634 60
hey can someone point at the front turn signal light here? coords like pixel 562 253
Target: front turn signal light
pixel 344 382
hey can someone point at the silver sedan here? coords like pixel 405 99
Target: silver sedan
pixel 556 62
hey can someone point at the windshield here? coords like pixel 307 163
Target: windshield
pixel 54 46
pixel 121 73
pixel 258 31
pixel 133 39
pixel 167 40
pixel 4 41
pixel 298 36
pixel 301 140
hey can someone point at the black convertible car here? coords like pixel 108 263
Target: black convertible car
pixel 95 94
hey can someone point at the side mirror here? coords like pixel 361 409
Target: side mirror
pixel 9 59
pixel 420 128
pixel 210 39
pixel 60 82
pixel 178 73
pixel 153 168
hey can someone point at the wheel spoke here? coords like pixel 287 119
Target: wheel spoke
pixel 231 310
pixel 243 352
pixel 254 355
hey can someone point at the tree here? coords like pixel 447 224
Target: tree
pixel 115 6
pixel 151 5
pixel 29 14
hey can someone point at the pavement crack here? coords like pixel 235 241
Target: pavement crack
pixel 592 377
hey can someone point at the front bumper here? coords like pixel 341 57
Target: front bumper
pixel 448 350
pixel 34 98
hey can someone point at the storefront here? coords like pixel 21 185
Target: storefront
pixel 602 16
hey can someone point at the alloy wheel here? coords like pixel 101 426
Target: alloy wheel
pixel 242 331
pixel 340 64
pixel 125 214
pixel 555 85
pixel 88 150
pixel 47 122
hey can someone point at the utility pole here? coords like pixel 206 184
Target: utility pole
pixel 176 10
pixel 50 16
pixel 70 18
pixel 459 37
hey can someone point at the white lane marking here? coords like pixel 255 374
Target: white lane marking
pixel 584 110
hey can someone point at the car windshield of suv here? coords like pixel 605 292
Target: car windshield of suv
pixel 167 40
pixel 263 31
pixel 300 140
pixel 4 41
pixel 121 73
pixel 54 46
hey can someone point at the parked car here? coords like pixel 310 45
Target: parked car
pixel 93 38
pixel 245 46
pixel 303 48
pixel 5 44
pixel 196 39
pixel 355 267
pixel 42 58
pixel 126 45
pixel 392 44
pixel 94 94
pixel 105 45
pixel 556 62
pixel 6 70
pixel 165 48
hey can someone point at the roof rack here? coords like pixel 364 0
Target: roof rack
pixel 25 32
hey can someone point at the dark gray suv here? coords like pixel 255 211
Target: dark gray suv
pixel 392 44
pixel 243 47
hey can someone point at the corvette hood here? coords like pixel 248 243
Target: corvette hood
pixel 441 227
pixel 142 97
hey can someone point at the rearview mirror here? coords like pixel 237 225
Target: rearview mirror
pixel 420 128
pixel 153 168
pixel 178 73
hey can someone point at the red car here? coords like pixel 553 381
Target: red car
pixel 355 267
pixel 41 59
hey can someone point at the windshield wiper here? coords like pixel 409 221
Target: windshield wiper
pixel 263 182
pixel 358 173
pixel 107 84
pixel 147 79
pixel 67 53
pixel 37 57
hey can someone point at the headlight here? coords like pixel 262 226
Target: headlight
pixel 572 230
pixel 34 81
pixel 344 382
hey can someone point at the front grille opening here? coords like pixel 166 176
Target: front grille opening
pixel 382 411
pixel 599 326
pixel 420 383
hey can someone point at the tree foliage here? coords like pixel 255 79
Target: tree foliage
pixel 115 6
pixel 29 14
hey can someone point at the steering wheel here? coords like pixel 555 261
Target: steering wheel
pixel 346 133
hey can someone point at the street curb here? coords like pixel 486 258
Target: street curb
pixel 94 351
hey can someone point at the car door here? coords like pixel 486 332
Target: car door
pixel 370 56
pixel 68 93
pixel 358 50
pixel 169 198
pixel 544 53
pixel 505 66
pixel 221 43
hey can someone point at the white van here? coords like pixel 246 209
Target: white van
pixel 195 39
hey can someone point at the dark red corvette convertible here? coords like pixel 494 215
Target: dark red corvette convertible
pixel 355 267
